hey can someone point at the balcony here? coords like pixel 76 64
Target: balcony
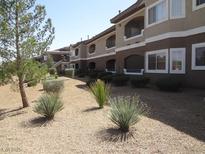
pixel 134 28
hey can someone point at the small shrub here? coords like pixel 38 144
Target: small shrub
pixel 107 78
pixel 32 83
pixel 81 75
pixel 70 73
pixel 139 82
pixel 126 111
pixel 101 92
pixel 53 86
pixel 52 71
pixel 90 82
pixel 56 76
pixel 120 80
pixel 93 75
pixel 48 106
pixel 103 74
pixel 169 84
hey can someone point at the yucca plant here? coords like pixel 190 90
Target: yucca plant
pixel 101 92
pixel 126 111
pixel 48 105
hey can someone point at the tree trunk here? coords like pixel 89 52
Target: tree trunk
pixel 19 61
pixel 23 93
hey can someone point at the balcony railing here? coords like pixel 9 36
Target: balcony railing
pixel 133 71
pixel 110 70
pixel 134 37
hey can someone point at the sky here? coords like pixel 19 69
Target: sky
pixel 76 19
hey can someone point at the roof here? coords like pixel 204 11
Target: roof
pixel 129 11
pixel 56 52
pixel 78 43
pixel 67 48
pixel 105 32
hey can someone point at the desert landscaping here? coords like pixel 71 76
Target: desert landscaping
pixel 175 123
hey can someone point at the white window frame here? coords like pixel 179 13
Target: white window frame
pixel 195 7
pixel 158 22
pixel 183 71
pixel 194 47
pixel 183 10
pixel 166 71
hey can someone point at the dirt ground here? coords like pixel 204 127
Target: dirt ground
pixel 175 124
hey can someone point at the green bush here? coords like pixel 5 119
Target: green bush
pixel 93 75
pixel 4 77
pixel 169 84
pixel 101 92
pixel 120 80
pixel 48 106
pixel 70 73
pixel 139 82
pixel 32 83
pixel 107 78
pixel 81 75
pixel 52 71
pixel 126 111
pixel 103 74
pixel 34 72
pixel 53 86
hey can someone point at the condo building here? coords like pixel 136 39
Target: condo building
pixel 153 38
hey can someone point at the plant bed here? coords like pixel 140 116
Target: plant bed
pixel 139 82
pixel 120 80
pixel 169 84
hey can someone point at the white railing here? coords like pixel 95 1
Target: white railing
pixel 110 71
pixel 57 63
pixel 134 37
pixel 134 71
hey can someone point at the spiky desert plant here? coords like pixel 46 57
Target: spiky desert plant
pixel 126 111
pixel 101 92
pixel 48 105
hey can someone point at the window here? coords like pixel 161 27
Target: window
pixel 177 9
pixel 76 52
pixel 177 60
pixel 198 56
pixel 198 4
pixel 110 42
pixel 158 12
pixel 157 61
pixel 92 49
pixel 134 27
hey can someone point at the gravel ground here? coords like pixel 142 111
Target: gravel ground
pixel 176 124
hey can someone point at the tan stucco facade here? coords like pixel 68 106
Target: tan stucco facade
pixel 171 33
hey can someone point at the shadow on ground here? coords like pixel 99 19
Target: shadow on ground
pixel 11 113
pixel 184 111
pixel 36 122
pixel 115 135
pixel 92 109
pixel 82 86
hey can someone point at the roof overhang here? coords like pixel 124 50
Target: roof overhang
pixel 105 32
pixel 129 11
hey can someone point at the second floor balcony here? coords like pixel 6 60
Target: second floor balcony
pixel 134 28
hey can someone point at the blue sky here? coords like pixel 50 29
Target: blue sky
pixel 74 19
